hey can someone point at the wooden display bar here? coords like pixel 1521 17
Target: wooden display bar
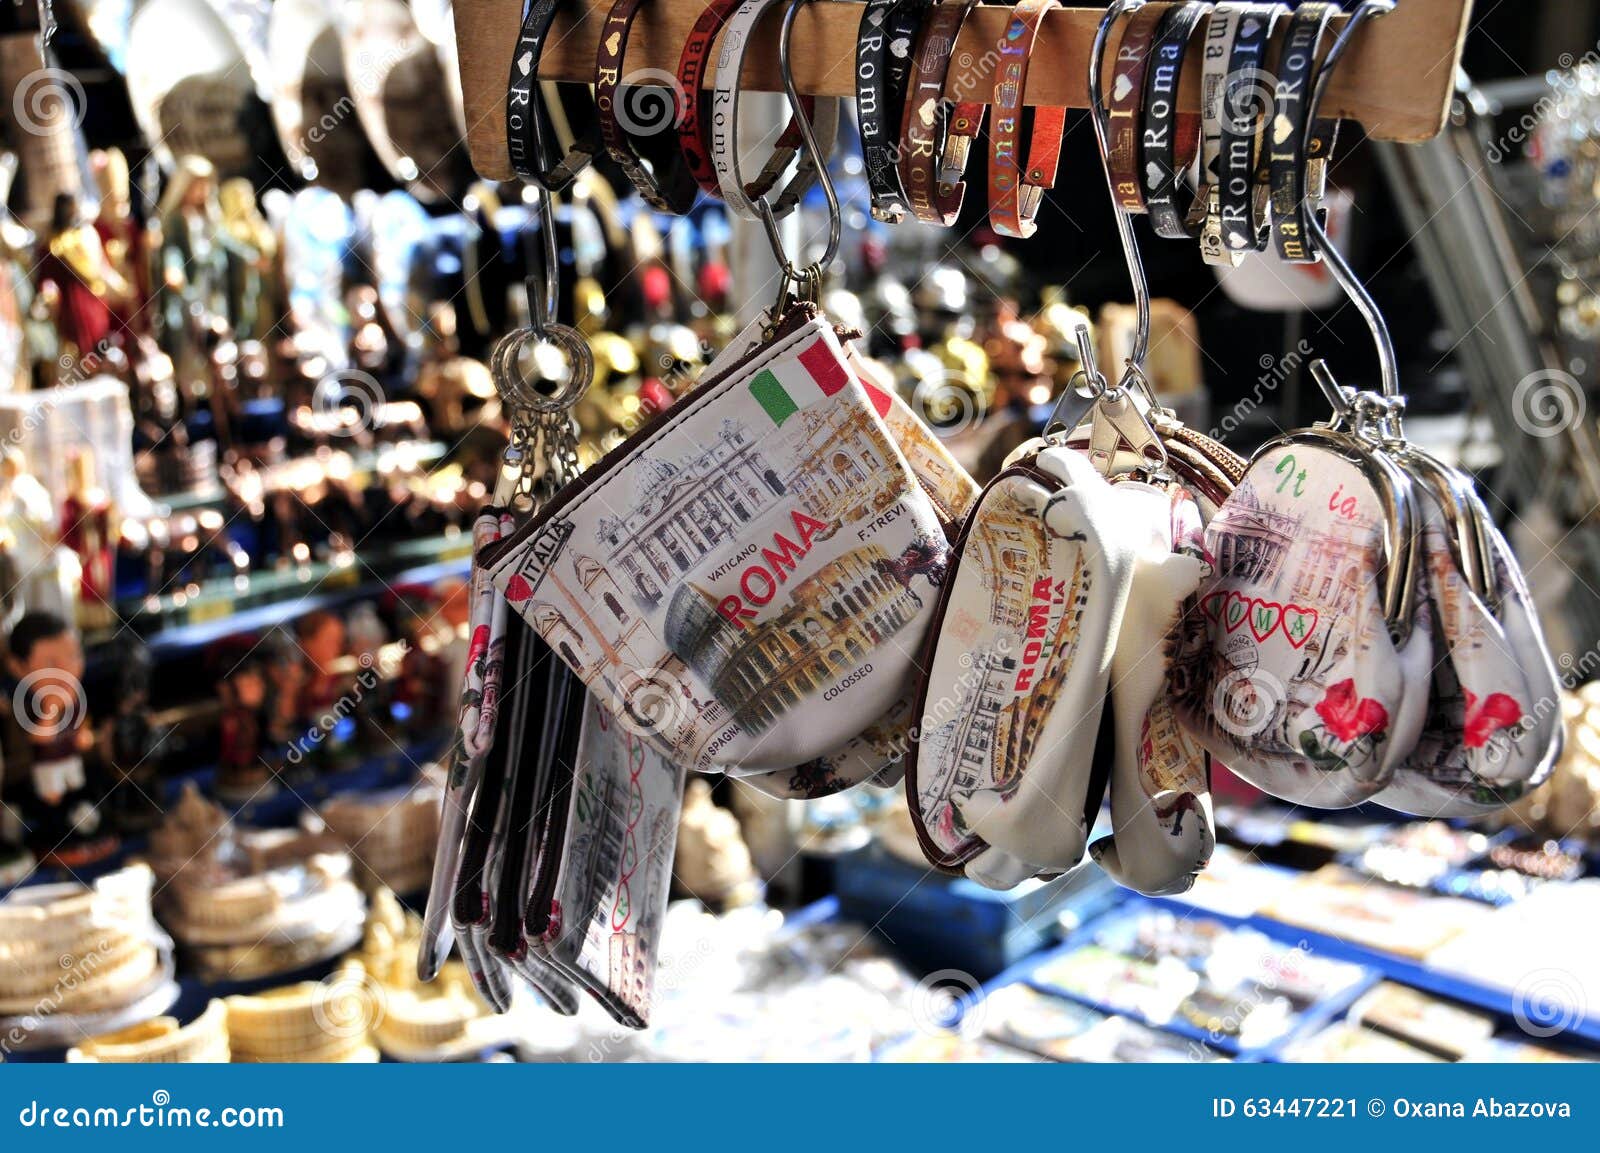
pixel 1397 79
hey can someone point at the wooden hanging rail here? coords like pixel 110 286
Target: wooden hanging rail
pixel 1396 81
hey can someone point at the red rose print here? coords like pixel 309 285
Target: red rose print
pixel 1348 716
pixel 1497 711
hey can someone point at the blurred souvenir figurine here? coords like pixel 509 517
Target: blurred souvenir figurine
pixel 242 773
pixel 129 743
pixel 712 862
pixel 123 238
pixel 47 734
pixel 78 284
pixel 29 544
pixel 193 284
pixel 87 517
pixel 252 265
pixel 321 636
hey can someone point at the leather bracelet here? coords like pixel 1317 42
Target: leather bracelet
pixel 1166 135
pixel 924 121
pixel 693 127
pixel 1122 111
pixel 1222 27
pixel 1240 210
pixel 662 180
pixel 880 90
pixel 1015 193
pixel 1286 157
pixel 525 133
pixel 725 126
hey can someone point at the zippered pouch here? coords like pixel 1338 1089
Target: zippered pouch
pixel 746 580
pixel 1313 685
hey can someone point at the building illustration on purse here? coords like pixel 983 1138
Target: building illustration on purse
pixel 752 562
pixel 1288 591
pixel 1021 651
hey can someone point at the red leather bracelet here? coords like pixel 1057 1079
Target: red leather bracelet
pixel 1123 110
pixel 1015 192
pixel 925 122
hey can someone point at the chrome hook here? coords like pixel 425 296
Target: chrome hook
pixel 1388 362
pixel 1130 244
pixel 544 302
pixel 807 280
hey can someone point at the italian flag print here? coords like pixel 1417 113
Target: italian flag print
pixel 785 390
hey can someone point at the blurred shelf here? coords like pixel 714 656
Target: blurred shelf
pixel 263 600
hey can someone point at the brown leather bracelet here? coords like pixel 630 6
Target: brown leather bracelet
pixel 1015 192
pixel 663 178
pixel 1127 95
pixel 925 121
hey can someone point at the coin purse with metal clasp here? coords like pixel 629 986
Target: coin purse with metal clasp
pixel 1493 729
pixel 1314 683
pixel 1160 786
pixel 1008 767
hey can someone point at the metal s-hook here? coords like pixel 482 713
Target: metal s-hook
pixel 1388 362
pixel 1130 243
pixel 544 303
pixel 805 281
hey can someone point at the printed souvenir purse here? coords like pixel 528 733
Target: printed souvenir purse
pixel 747 577
pixel 602 915
pixel 1007 770
pixel 1314 683
pixel 480 694
pixel 1493 729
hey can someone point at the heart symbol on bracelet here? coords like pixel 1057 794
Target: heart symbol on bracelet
pixel 1282 128
pixel 1250 27
pixel 927 110
pixel 1153 175
pixel 1121 86
pixel 525 62
pixel 613 42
